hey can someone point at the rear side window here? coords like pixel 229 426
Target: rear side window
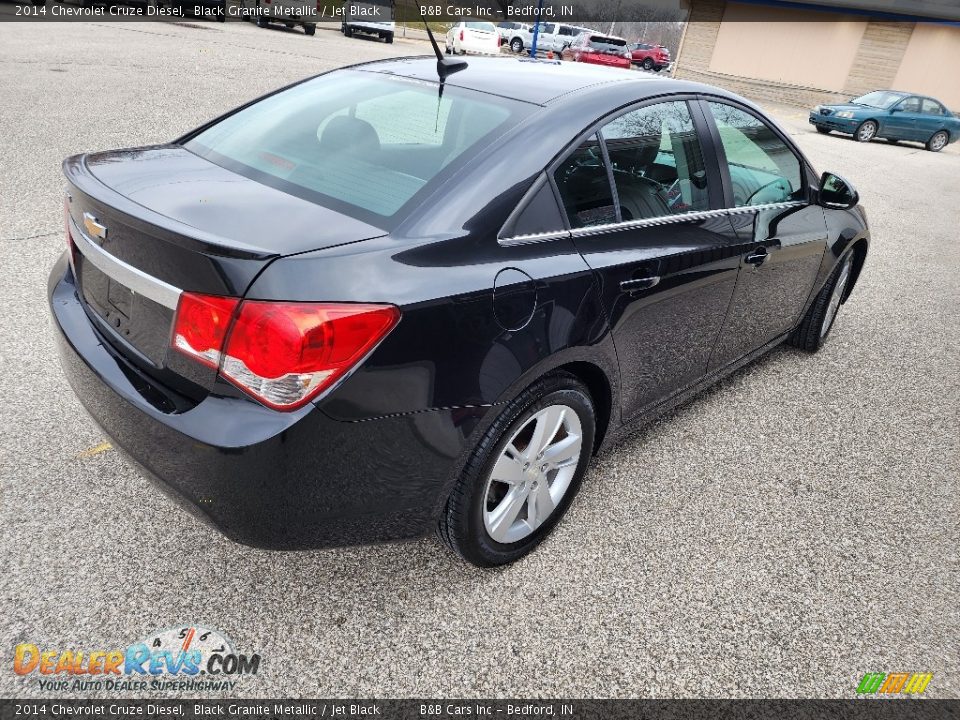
pixel 362 143
pixel 657 162
pixel 584 186
pixel 932 107
pixel 763 169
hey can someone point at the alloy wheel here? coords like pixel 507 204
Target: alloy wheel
pixel 938 141
pixel 532 474
pixel 835 298
pixel 867 131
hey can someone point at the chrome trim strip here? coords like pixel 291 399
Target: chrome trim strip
pixel 129 276
pixel 645 222
pixel 533 238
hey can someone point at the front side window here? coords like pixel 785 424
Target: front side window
pixel 763 169
pixel 584 186
pixel 359 142
pixel 657 162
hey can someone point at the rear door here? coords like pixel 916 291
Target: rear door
pixel 638 196
pixel 783 234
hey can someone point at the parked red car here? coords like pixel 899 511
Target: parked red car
pixel 649 57
pixel 598 50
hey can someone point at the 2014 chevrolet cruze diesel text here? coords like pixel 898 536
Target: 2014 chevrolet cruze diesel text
pixel 390 299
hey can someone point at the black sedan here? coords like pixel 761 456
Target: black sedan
pixel 393 298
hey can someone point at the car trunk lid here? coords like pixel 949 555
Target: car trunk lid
pixel 149 224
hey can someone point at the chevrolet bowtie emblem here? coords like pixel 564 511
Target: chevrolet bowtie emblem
pixel 94 229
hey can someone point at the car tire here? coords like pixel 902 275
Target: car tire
pixel 824 130
pixel 222 12
pixel 262 22
pixel 348 31
pixel 516 45
pixel 816 324
pixel 647 64
pixel 866 131
pixel 468 513
pixel 388 38
pixel 310 29
pixel 938 141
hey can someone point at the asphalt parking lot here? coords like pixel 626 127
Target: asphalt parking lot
pixel 782 535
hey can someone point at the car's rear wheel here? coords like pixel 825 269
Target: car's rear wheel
pixel 310 29
pixel 938 142
pixel 822 129
pixel 523 474
pixel 647 64
pixel 348 31
pixel 262 22
pixel 388 38
pixel 866 131
pixel 516 45
pixel 813 330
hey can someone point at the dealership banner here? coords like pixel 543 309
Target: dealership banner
pixel 427 709
pixel 447 11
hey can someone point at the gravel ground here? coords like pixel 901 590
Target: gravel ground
pixel 787 532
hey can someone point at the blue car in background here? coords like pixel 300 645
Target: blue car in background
pixel 891 115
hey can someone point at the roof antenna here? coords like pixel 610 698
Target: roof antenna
pixel 445 66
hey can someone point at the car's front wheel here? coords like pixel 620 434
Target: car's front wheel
pixel 523 474
pixel 866 131
pixel 938 142
pixel 813 330
pixel 516 45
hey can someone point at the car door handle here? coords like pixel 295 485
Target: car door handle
pixel 757 257
pixel 639 283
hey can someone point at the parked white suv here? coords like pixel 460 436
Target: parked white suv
pixel 473 36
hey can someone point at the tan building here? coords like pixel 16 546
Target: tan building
pixel 805 57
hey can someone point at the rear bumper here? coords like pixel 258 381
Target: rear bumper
pixel 273 480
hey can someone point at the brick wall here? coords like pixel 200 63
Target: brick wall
pixel 875 64
pixel 878 57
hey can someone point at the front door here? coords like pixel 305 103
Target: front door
pixel 783 234
pixel 638 198
pixel 903 119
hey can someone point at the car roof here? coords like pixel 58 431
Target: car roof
pixel 533 81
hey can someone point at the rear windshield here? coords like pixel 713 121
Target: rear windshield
pixel 481 26
pixel 607 44
pixel 362 143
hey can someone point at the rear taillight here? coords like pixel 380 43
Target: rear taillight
pixel 283 354
pixel 461 36
pixel 201 325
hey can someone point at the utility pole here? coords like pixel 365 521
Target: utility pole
pixel 536 31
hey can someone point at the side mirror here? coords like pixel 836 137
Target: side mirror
pixel 836 193
pixel 896 109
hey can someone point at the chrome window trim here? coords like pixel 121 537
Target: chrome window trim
pixel 645 222
pixel 127 275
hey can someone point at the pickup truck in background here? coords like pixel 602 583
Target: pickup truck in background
pixel 552 37
pixel 370 18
